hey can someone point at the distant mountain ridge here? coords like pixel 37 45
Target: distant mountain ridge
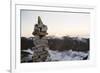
pixel 60 44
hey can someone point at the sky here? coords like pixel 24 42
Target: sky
pixel 58 23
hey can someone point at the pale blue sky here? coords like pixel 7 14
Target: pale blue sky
pixel 59 23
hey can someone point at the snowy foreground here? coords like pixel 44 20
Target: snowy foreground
pixel 67 55
pixel 59 56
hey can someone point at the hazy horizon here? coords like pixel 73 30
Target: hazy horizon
pixel 58 23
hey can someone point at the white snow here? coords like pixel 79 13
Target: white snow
pixel 67 55
pixel 61 56
pixel 28 50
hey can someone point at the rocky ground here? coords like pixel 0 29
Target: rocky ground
pixel 59 49
pixel 56 55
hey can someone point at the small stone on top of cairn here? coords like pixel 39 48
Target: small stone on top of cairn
pixel 40 29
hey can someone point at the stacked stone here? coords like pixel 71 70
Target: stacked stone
pixel 40 41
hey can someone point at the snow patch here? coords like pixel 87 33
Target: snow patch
pixel 60 56
pixel 67 55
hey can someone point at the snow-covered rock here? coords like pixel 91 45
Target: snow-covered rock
pixel 60 56
pixel 67 55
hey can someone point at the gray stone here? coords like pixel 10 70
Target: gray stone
pixel 40 28
pixel 40 41
pixel 40 55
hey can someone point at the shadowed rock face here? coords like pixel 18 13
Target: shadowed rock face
pixel 26 43
pixel 59 44
pixel 68 44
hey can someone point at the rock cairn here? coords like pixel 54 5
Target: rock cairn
pixel 40 41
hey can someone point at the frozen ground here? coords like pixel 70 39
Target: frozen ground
pixel 60 56
pixel 67 55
